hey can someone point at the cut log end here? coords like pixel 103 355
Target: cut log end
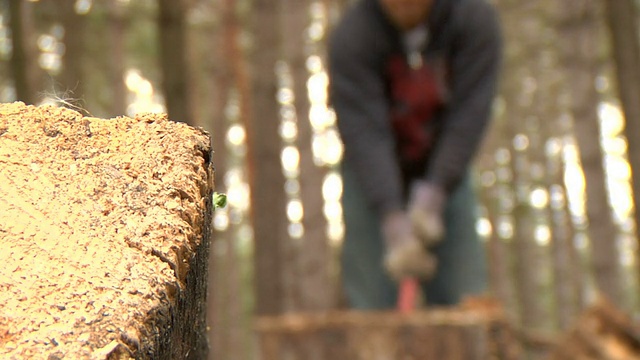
pixel 475 330
pixel 104 230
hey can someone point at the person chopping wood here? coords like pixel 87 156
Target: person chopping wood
pixel 412 83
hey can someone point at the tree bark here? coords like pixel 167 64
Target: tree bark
pixel 312 254
pixel 622 17
pixel 496 196
pixel 173 59
pixel 497 250
pixel 116 65
pixel 530 258
pixel 268 198
pixel 228 334
pixel 579 29
pixel 72 77
pixel 565 264
pixel 24 55
pixel 219 81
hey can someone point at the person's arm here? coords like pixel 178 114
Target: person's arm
pixel 474 71
pixel 358 98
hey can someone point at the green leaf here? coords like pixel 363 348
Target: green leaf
pixel 219 200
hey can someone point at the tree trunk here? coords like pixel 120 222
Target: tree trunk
pixel 530 258
pixel 567 266
pixel 313 253
pixel 552 128
pixel 528 255
pixel 24 55
pixel 622 16
pixel 72 77
pixel 579 28
pixel 496 196
pixel 268 198
pixel 173 59
pixel 493 198
pixel 228 336
pixel 218 84
pixel 116 64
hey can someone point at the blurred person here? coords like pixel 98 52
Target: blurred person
pixel 412 83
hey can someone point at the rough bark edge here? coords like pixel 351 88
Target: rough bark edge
pixel 177 328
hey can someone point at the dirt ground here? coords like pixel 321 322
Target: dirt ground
pixel 98 222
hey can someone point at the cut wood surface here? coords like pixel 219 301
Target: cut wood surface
pixel 103 234
pixel 471 331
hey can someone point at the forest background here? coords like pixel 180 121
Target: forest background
pixel 555 175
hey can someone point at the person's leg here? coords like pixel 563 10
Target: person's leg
pixel 461 258
pixel 366 284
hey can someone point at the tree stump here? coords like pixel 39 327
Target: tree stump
pixel 461 333
pixel 104 231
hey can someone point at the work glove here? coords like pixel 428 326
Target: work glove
pixel 405 255
pixel 426 208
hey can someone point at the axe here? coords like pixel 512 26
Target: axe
pixel 407 295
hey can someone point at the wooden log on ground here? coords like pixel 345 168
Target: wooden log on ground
pixel 602 332
pixel 104 236
pixel 462 333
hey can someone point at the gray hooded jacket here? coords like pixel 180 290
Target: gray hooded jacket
pixel 466 34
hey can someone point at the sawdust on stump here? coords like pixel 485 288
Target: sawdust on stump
pixel 103 235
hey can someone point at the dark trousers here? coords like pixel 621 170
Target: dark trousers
pixel 461 259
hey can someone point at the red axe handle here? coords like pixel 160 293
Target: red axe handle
pixel 408 295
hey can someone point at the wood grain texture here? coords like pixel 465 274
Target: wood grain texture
pixel 104 231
